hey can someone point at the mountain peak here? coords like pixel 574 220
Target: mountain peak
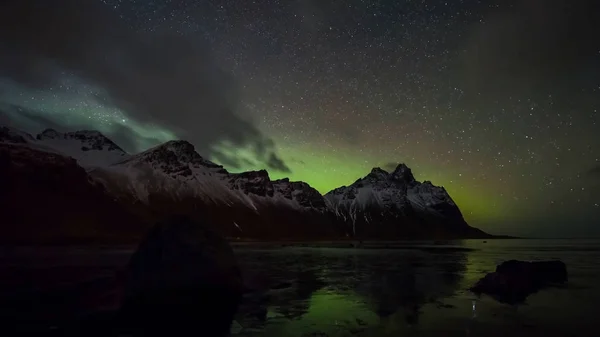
pixel 90 148
pixel 173 150
pixel 90 139
pixel 378 171
pixel 301 192
pixel 401 167
pixel 11 135
pixel 179 147
pixel 259 174
pixel 403 172
pixel 176 157
pixel 383 196
pixel 49 134
pixel 254 182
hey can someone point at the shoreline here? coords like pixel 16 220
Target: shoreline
pixel 255 242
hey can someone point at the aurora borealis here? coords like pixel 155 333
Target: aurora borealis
pixel 497 101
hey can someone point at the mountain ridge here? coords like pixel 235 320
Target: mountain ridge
pixel 173 177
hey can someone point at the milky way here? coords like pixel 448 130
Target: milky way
pixel 496 101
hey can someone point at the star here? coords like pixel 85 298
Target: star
pixel 336 88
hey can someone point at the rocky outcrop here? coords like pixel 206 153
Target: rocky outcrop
pixel 513 281
pixel 182 280
pixel 301 193
pixel 294 193
pixel 252 182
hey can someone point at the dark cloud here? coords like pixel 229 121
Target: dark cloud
pixel 533 44
pixel 277 164
pixel 229 162
pixel 234 163
pixel 157 77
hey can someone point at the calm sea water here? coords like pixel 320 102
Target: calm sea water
pixel 404 289
pixel 421 290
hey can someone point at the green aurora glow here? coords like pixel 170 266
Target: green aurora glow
pixel 329 167
pixel 506 122
pixel 323 164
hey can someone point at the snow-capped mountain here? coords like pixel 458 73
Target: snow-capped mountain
pixel 252 182
pixel 297 193
pixel 14 136
pixel 301 193
pixel 396 201
pixel 380 189
pixel 89 147
pixel 175 168
pixel 174 178
pixel 396 192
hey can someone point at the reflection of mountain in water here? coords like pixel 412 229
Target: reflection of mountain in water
pixel 277 284
pixel 292 300
pixel 390 284
pixel 401 282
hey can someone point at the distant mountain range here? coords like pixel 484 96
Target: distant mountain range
pixel 82 187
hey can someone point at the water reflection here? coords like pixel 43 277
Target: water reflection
pixel 334 292
pixel 298 291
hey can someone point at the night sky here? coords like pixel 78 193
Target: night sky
pixel 495 100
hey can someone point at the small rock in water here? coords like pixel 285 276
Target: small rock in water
pixel 513 281
pixel 182 280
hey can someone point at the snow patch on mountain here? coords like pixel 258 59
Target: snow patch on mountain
pixel 259 187
pixel 14 136
pixel 299 193
pixel 90 148
pixel 177 159
pixel 395 193
pixel 378 189
pixel 175 169
pixel 255 183
pixel 428 197
pixel 172 169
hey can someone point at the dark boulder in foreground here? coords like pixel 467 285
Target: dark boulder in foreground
pixel 182 280
pixel 514 280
